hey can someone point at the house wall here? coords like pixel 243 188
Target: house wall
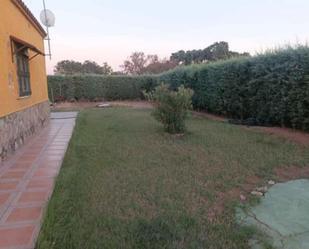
pixel 13 22
pixel 20 117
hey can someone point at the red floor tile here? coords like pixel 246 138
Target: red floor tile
pixel 45 172
pixel 23 161
pixel 40 183
pixel 16 237
pixel 51 164
pixel 4 198
pixel 33 196
pixel 59 153
pixel 33 152
pixel 48 149
pixel 4 186
pixel 27 158
pixel 54 165
pixel 13 175
pixel 52 157
pixel 24 214
pixel 64 144
pixel 57 148
pixel 21 166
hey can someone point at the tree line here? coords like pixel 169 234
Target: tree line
pixel 139 63
pixel 71 67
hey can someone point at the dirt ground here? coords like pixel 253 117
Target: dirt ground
pixel 210 116
pixel 287 133
pixel 290 134
pixel 66 106
pixel 134 104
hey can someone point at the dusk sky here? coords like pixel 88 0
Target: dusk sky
pixel 110 31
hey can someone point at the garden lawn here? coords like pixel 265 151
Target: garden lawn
pixel 126 184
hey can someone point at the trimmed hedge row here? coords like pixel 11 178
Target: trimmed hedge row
pixel 94 87
pixel 271 89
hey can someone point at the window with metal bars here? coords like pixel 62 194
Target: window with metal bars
pixel 23 72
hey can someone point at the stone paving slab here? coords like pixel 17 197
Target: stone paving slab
pixel 63 115
pixel 283 215
pixel 27 181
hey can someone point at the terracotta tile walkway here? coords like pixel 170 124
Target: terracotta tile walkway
pixel 26 182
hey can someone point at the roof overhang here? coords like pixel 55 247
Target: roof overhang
pixel 24 45
pixel 28 14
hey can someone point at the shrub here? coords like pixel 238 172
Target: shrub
pixel 171 107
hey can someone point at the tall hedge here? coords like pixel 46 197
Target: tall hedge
pixel 92 87
pixel 272 88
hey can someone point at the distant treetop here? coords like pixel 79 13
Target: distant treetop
pixel 216 51
pixel 139 63
pixel 71 67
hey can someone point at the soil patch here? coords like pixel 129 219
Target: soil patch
pixel 210 116
pixel 289 134
pixel 77 106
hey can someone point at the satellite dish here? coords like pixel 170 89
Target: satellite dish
pixel 47 18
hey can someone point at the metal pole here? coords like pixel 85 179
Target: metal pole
pixel 48 38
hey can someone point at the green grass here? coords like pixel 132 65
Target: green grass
pixel 126 184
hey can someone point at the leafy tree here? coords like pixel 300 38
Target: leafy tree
pixel 70 67
pixel 216 51
pixel 135 64
pixel 152 58
pixel 160 66
pixel 106 69
pixel 91 67
pixel 139 63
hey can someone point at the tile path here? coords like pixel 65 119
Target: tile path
pixel 27 180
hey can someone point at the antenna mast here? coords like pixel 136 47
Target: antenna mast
pixel 47 30
pixel 48 19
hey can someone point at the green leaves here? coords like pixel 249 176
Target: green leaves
pixel 272 88
pixel 95 87
pixel 171 107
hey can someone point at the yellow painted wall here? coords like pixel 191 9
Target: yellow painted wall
pixel 13 22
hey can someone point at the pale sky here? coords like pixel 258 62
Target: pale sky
pixel 110 30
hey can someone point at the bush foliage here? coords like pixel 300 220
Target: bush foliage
pixel 268 89
pixel 171 107
pixel 96 87
pixel 272 89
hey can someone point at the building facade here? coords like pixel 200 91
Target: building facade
pixel 24 105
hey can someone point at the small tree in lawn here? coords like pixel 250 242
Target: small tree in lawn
pixel 171 107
